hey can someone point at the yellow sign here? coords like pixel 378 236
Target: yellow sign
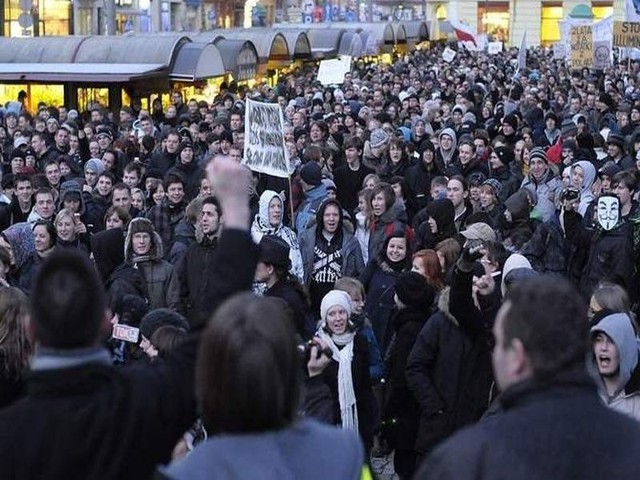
pixel 626 34
pixel 581 46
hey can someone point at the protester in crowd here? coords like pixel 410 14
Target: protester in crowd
pixel 348 374
pixel 15 347
pixel 251 423
pixel 270 221
pixel 539 363
pixel 68 313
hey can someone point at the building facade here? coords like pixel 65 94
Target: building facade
pixel 507 20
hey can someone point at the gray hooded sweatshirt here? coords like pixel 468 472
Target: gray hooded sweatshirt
pixel 618 328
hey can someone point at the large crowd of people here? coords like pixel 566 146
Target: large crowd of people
pixel 426 268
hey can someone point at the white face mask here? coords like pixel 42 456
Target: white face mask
pixel 608 212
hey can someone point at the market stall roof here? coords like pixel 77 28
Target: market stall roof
pixel 80 72
pixel 143 48
pixel 40 49
pixel 400 33
pixel 351 44
pixel 299 44
pixel 197 61
pixel 238 56
pixel 269 43
pixel 417 31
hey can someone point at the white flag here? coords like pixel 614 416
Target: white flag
pixel 522 53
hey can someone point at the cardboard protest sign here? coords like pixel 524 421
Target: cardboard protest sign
pixel 581 39
pixel 626 34
pixel 331 72
pixel 494 48
pixel 264 148
pixel 559 51
pixel 601 55
pixel 448 55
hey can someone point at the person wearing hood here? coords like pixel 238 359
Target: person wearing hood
pixel 436 223
pixel 517 226
pixel 143 250
pixel 187 167
pixel 329 252
pixel 413 298
pixel 510 128
pixel 583 176
pixel 314 193
pixel 615 364
pixel 447 152
pixel 499 161
pixel 269 221
pixel 418 177
pixel 19 241
pixel 107 248
pixel 611 254
pixel 379 278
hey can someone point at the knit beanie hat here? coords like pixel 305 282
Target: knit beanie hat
pixel 130 308
pixel 161 317
pixel 568 128
pixel 274 251
pixel 378 138
pixel 511 120
pixel 333 298
pixel 414 291
pixel 539 153
pixel 94 165
pixel 311 173
pixel 505 154
pixel 495 185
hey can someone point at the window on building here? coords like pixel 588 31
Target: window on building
pixel 493 20
pixel 552 12
pixel 47 17
pixel 601 9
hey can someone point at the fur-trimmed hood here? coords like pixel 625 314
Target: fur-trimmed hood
pixel 443 305
pixel 137 225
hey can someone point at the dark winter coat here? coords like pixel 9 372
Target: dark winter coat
pixel 448 375
pixel 195 278
pixel 560 431
pixel 298 305
pixel 443 212
pixel 418 180
pixel 610 258
pixel 379 281
pixel 100 422
pixel 510 184
pixel 361 387
pixel 400 403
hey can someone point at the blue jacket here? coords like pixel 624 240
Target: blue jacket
pixel 306 450
pixel 306 214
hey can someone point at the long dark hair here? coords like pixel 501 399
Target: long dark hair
pixel 248 370
pixel 284 275
pixel 14 346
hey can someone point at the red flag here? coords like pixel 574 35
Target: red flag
pixel 465 36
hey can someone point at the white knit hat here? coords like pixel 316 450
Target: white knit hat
pixel 333 298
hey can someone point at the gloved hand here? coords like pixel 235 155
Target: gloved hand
pixel 471 252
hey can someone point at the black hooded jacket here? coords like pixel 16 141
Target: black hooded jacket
pixel 443 212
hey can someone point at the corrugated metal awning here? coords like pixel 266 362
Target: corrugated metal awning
pixel 416 31
pixel 143 48
pixel 351 44
pixel 197 61
pixel 239 57
pixel 269 43
pixel 79 72
pixel 39 49
pixel 299 45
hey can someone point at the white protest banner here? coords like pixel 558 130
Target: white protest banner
pixel 494 48
pixel 559 51
pixel 331 72
pixel 632 11
pixel 264 149
pixel 448 55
